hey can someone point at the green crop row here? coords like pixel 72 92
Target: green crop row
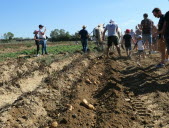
pixel 51 50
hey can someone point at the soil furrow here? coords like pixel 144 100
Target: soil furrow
pixel 55 86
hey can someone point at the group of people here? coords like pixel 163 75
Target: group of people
pixel 40 39
pixel 147 36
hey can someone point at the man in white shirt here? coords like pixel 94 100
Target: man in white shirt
pixel 42 38
pixel 112 29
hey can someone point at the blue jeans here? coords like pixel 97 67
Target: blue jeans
pixel 43 43
pixel 84 44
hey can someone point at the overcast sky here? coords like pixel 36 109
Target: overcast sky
pixel 22 17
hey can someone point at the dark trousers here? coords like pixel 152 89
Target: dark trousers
pixel 84 45
pixel 38 47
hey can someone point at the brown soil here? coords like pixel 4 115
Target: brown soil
pixel 123 94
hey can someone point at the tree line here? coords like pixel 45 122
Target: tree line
pixel 55 35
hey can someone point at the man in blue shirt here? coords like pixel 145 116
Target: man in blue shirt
pixel 112 29
pixel 84 38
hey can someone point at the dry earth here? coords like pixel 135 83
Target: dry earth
pixel 120 93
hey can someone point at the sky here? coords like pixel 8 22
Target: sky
pixel 22 17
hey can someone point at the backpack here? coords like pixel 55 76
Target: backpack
pixel 146 26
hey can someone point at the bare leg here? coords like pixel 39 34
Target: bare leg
pixel 108 50
pixel 118 49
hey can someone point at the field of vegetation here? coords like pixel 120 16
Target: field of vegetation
pixel 28 48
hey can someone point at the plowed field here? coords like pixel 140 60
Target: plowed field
pixel 35 92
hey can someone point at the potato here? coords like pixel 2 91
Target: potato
pixel 54 124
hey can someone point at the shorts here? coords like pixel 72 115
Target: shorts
pixel 128 48
pixel 147 37
pixel 161 45
pixel 111 40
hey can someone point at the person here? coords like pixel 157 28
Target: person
pixel 146 27
pixel 98 33
pixel 141 46
pixel 112 29
pixel 84 38
pixel 158 14
pixel 137 32
pixel 127 38
pixel 43 39
pixel 132 33
pixel 36 42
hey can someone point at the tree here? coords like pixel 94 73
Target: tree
pixel 54 34
pixel 8 36
pixel 60 35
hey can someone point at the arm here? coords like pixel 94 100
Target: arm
pixel 135 46
pixel 87 35
pixel 43 32
pixel 163 29
pixel 36 39
pixel 79 34
pixel 104 33
pixel 132 40
pixel 141 26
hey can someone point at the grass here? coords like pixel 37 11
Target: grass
pixel 52 50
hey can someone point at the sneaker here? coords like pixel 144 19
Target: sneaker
pixel 166 60
pixel 36 55
pixel 160 65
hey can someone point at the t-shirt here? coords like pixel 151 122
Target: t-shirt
pixel 132 34
pixel 146 26
pixel 111 29
pixel 160 24
pixel 83 33
pixel 140 45
pixel 127 39
pixel 166 17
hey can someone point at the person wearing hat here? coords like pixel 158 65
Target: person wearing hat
pixel 36 38
pixel 42 38
pixel 112 29
pixel 141 47
pixel 146 27
pixel 127 38
pixel 84 38
pixel 98 33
